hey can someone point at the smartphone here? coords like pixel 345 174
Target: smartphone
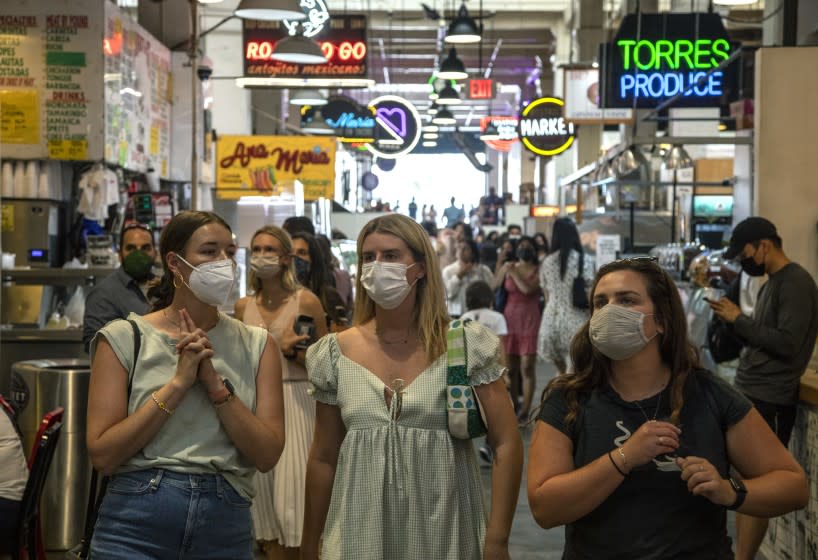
pixel 304 324
pixel 708 300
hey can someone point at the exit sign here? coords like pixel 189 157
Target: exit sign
pixel 481 89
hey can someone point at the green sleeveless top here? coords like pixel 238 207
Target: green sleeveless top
pixel 193 440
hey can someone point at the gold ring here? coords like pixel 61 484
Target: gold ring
pixel 661 440
pixel 701 468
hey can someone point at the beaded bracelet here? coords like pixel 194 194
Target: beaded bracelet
pixel 161 405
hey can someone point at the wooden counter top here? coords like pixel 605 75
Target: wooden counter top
pixel 809 388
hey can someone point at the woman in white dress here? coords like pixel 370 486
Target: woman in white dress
pixel 278 508
pixel 560 319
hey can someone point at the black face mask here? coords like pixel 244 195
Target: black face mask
pixel 302 271
pixel 751 267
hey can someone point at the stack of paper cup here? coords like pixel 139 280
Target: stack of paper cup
pixel 19 179
pixel 7 177
pixel 32 178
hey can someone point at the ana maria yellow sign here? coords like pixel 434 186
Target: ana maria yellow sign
pixel 268 166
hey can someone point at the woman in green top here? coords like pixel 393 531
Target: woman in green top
pixel 203 411
pixel 385 479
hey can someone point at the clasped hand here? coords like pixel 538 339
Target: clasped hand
pixel 194 350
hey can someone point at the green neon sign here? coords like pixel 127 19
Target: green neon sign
pixel 682 54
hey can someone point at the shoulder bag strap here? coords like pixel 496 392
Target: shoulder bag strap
pixel 95 496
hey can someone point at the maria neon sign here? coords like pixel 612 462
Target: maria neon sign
pixel 658 56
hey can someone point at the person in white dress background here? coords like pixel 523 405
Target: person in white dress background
pixel 561 319
pixel 278 508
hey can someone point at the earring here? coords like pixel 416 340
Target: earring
pixel 179 277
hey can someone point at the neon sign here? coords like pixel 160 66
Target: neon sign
pixel 342 40
pixel 543 129
pixel 398 127
pixel 658 56
pixel 349 120
pixel 507 129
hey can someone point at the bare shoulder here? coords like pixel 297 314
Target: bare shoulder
pixel 350 337
pixel 241 306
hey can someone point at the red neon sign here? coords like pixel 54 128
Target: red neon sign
pixel 344 52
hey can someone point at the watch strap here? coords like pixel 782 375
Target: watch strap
pixel 741 493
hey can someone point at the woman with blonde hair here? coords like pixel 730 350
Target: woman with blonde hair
pixel 385 478
pixel 277 301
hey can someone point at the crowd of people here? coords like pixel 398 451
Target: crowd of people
pixel 288 427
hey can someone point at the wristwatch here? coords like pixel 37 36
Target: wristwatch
pixel 741 492
pixel 225 395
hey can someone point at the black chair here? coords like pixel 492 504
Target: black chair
pixel 28 546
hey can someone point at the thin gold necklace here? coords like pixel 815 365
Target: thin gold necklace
pixel 178 325
pixel 636 402
pixel 380 337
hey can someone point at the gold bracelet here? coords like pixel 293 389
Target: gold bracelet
pixel 224 401
pixel 161 405
pixel 622 454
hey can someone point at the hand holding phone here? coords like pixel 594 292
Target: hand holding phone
pixel 304 326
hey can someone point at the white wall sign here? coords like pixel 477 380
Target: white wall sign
pixel 607 247
pixel 581 92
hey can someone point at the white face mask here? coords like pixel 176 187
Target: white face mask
pixel 386 283
pixel 211 282
pixel 264 267
pixel 618 332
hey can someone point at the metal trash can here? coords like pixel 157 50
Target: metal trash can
pixel 37 387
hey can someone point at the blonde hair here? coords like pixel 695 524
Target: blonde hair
pixel 430 315
pixel 287 271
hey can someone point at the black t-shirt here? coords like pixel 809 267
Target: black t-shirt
pixel 651 515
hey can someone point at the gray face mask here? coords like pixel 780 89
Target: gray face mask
pixel 618 332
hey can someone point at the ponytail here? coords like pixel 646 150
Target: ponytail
pixel 162 293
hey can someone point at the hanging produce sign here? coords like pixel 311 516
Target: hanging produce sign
pixel 543 129
pixel 397 129
pixel 658 56
pixel 268 166
pixel 507 129
pixel 342 39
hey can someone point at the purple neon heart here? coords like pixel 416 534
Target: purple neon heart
pixel 387 115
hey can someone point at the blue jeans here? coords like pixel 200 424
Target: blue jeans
pixel 165 515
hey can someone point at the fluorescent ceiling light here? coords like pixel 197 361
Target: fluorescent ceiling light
pixel 431 128
pixel 431 135
pixel 270 10
pixel 429 144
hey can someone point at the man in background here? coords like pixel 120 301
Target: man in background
pixel 779 340
pixel 125 290
pixel 453 215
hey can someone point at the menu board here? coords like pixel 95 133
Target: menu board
pixel 64 97
pixel 137 95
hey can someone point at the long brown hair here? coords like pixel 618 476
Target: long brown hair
pixel 174 239
pixel 430 315
pixel 592 368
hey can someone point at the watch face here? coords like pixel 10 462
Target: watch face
pixel 738 485
pixel 229 386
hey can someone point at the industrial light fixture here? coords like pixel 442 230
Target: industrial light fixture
pixel 307 97
pixel 629 161
pixel 429 144
pixel 444 117
pixel 270 10
pixel 432 109
pixel 317 125
pixel 733 2
pixel 448 96
pixel 431 135
pixel 677 158
pixel 431 128
pixel 490 133
pixel 297 49
pixel 452 68
pixel 463 28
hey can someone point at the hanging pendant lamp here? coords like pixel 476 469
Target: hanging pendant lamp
pixel 270 10
pixel 297 49
pixel 452 68
pixel 629 161
pixel 317 125
pixel 444 117
pixel 463 28
pixel 490 133
pixel 677 158
pixel 448 96
pixel 307 97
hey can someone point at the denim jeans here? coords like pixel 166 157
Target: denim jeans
pixel 166 515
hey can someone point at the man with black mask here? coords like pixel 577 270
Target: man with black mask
pixel 125 290
pixel 779 340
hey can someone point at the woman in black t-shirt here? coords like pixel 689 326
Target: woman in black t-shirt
pixel 633 450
